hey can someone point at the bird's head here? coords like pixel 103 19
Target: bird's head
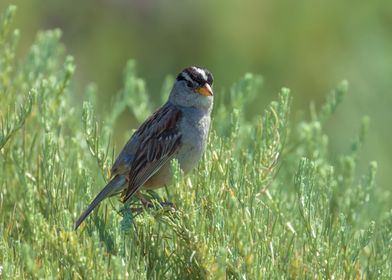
pixel 193 88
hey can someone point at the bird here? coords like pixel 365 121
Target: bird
pixel 177 130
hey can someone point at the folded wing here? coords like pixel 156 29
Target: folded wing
pixel 156 143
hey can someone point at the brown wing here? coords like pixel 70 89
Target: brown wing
pixel 158 141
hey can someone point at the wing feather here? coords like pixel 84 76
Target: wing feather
pixel 159 140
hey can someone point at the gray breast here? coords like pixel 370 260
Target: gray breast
pixel 194 128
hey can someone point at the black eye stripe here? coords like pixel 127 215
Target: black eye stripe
pixel 210 79
pixel 187 79
pixel 195 76
pixel 181 77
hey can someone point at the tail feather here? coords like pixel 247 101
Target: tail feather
pixel 113 187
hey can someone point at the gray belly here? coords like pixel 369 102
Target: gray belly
pixel 193 142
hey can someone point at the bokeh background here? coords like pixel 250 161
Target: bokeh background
pixel 308 46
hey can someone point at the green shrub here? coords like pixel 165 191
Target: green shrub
pixel 267 201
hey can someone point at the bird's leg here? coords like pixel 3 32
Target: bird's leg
pixel 148 204
pixel 168 204
pixel 143 200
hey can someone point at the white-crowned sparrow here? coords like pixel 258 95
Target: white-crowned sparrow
pixel 179 129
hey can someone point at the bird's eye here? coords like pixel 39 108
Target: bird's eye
pixel 189 84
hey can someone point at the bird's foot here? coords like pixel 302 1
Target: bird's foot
pixel 139 210
pixel 143 200
pixel 148 204
pixel 164 204
pixel 168 204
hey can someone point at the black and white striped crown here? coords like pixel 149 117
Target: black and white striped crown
pixel 196 77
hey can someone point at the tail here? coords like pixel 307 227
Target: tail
pixel 113 187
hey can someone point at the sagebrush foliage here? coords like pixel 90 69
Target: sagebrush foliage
pixel 266 202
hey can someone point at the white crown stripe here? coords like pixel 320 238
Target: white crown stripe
pixel 201 72
pixel 187 77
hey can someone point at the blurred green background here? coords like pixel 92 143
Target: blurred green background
pixel 308 46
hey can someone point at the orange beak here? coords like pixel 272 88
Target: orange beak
pixel 205 90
